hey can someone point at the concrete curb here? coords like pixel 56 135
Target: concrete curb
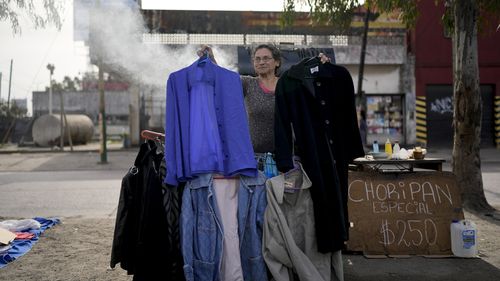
pixel 62 151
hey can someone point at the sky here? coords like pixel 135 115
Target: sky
pixel 33 49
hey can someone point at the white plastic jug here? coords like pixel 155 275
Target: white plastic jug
pixel 464 238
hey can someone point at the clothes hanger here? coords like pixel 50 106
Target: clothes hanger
pixel 151 135
pixel 204 59
pixel 158 138
pixel 296 167
pixel 311 67
pixel 313 61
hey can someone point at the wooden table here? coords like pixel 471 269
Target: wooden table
pixel 393 165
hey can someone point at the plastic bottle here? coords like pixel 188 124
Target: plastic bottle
pixel 388 148
pixel 375 147
pixel 270 169
pixel 396 148
pixel 463 238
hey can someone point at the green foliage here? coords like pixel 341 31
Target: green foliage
pixel 288 13
pixel 337 13
pixel 447 19
pixel 69 84
pixel 488 10
pixel 15 110
pixel 489 14
pixel 490 7
pixel 407 9
pixel 40 13
pixel 66 85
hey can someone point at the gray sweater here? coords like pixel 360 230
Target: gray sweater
pixel 260 111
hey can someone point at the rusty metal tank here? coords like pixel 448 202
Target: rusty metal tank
pixel 47 131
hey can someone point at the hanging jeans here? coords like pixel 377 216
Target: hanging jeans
pixel 202 231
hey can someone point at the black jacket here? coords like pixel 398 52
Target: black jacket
pixel 146 237
pixel 318 101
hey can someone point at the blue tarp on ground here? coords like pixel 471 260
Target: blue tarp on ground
pixel 20 247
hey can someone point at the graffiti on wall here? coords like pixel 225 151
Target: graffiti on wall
pixel 442 106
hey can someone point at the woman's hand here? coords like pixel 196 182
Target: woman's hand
pixel 204 49
pixel 324 58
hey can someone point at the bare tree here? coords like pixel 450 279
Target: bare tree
pixel 40 13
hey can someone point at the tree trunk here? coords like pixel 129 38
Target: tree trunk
pixel 467 110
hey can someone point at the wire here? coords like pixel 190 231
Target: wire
pixel 47 52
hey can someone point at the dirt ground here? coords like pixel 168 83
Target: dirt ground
pixel 488 238
pixel 75 249
pixel 79 249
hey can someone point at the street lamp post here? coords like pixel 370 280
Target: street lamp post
pixel 51 68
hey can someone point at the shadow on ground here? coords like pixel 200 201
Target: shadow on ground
pixel 122 160
pixel 357 267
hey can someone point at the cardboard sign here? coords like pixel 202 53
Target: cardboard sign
pixel 403 213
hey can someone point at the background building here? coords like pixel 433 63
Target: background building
pixel 432 49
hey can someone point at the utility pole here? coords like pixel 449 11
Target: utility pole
pixel 61 120
pixel 361 96
pixel 102 102
pixel 68 128
pixel 0 87
pixel 10 86
pixel 102 115
pixel 51 68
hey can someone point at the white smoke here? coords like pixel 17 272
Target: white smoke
pixel 117 33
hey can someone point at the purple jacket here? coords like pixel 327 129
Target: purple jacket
pixel 206 124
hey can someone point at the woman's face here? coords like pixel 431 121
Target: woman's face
pixel 264 63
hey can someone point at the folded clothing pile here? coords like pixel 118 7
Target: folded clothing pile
pixel 17 237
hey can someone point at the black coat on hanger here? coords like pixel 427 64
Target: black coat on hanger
pixel 318 101
pixel 146 239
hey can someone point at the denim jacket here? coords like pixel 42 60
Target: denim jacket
pixel 202 231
